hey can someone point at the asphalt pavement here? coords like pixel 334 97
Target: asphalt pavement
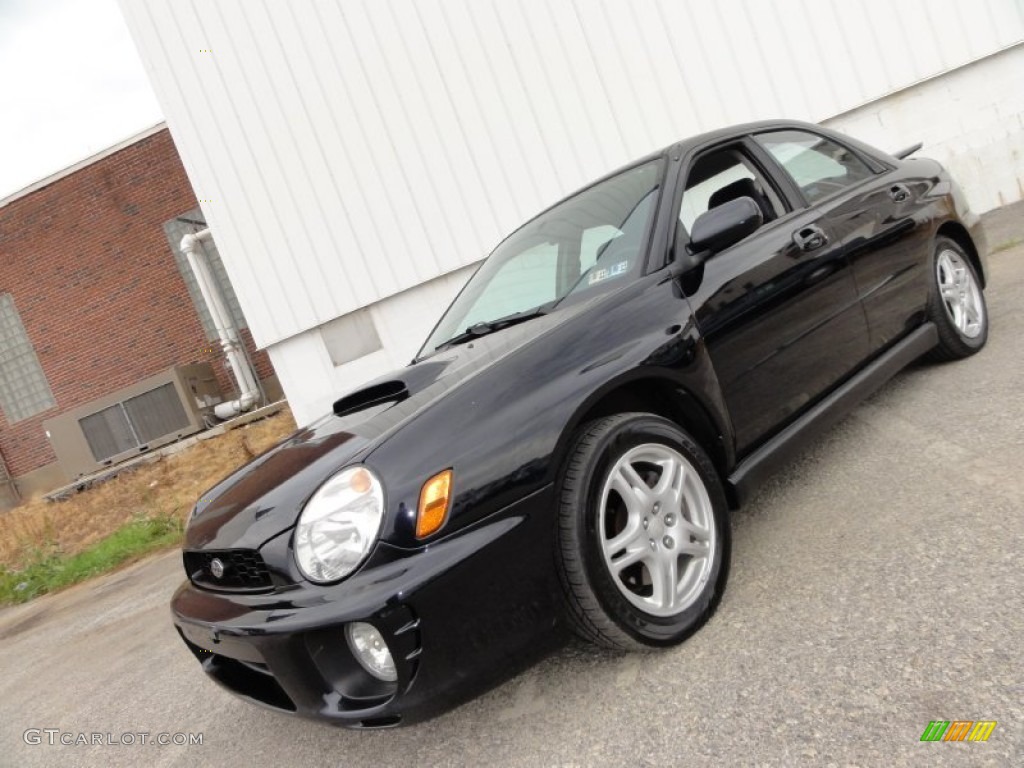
pixel 877 584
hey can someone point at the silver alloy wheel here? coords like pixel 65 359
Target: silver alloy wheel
pixel 658 540
pixel 960 293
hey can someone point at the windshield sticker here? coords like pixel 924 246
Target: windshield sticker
pixel 598 275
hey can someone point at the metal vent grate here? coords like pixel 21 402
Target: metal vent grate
pixel 132 424
pixel 156 413
pixel 108 433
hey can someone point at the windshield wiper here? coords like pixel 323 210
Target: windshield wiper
pixel 477 330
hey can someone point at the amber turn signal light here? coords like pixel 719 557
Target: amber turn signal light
pixel 433 510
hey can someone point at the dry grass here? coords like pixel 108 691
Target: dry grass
pixel 166 488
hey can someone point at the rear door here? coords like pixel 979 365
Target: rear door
pixel 779 310
pixel 870 209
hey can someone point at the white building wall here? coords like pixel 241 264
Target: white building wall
pixel 971 120
pixel 350 153
pixel 310 380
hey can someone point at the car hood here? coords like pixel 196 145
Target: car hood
pixel 264 498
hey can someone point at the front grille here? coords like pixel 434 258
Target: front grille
pixel 243 570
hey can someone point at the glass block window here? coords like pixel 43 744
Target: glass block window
pixel 24 390
pixel 190 223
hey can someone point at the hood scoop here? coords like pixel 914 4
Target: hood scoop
pixel 375 394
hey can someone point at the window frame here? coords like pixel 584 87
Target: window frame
pixel 761 162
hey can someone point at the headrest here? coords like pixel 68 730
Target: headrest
pixel 739 188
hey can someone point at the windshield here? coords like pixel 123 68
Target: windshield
pixel 588 243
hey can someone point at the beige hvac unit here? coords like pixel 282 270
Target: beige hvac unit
pixel 133 420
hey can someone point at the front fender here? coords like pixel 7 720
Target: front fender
pixel 505 431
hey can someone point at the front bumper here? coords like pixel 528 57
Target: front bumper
pixel 458 616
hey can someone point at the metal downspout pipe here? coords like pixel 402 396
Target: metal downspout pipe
pixel 230 340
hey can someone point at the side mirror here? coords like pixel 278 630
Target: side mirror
pixel 724 225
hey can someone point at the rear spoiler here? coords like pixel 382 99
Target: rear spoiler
pixel 906 152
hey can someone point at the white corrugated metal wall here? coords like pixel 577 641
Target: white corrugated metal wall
pixel 348 150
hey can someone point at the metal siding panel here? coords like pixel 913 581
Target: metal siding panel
pixel 445 146
pixel 468 114
pixel 347 226
pixel 893 56
pixel 457 112
pixel 974 29
pixel 823 95
pixel 538 94
pixel 376 165
pixel 484 104
pixel 579 133
pixel 724 73
pixel 404 122
pixel 358 212
pixel 528 146
pixel 646 71
pixel 256 249
pixel 835 53
pixel 691 59
pixel 601 50
pixel 777 46
pixel 912 16
pixel 944 19
pixel 301 172
pixel 665 70
pixel 599 114
pixel 1007 20
pixel 755 70
pixel 437 155
pixel 864 46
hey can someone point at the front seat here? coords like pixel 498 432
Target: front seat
pixel 744 188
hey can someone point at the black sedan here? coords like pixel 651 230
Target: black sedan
pixel 565 450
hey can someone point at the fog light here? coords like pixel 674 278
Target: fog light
pixel 371 651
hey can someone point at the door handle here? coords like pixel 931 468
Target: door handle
pixel 810 238
pixel 899 193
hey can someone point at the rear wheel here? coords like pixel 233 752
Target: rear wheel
pixel 643 533
pixel 956 303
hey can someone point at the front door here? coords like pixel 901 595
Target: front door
pixel 779 310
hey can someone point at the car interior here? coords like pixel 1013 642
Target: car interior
pixel 723 175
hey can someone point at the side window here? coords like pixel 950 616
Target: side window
pixel 819 166
pixel 723 175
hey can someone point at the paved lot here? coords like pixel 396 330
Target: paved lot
pixel 877 584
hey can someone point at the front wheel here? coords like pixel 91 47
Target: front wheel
pixel 956 303
pixel 643 533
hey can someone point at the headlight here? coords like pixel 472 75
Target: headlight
pixel 339 525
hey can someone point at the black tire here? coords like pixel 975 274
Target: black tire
pixel 954 343
pixel 596 606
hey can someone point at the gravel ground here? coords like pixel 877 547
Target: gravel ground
pixel 877 584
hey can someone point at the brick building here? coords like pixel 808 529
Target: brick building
pixel 95 296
